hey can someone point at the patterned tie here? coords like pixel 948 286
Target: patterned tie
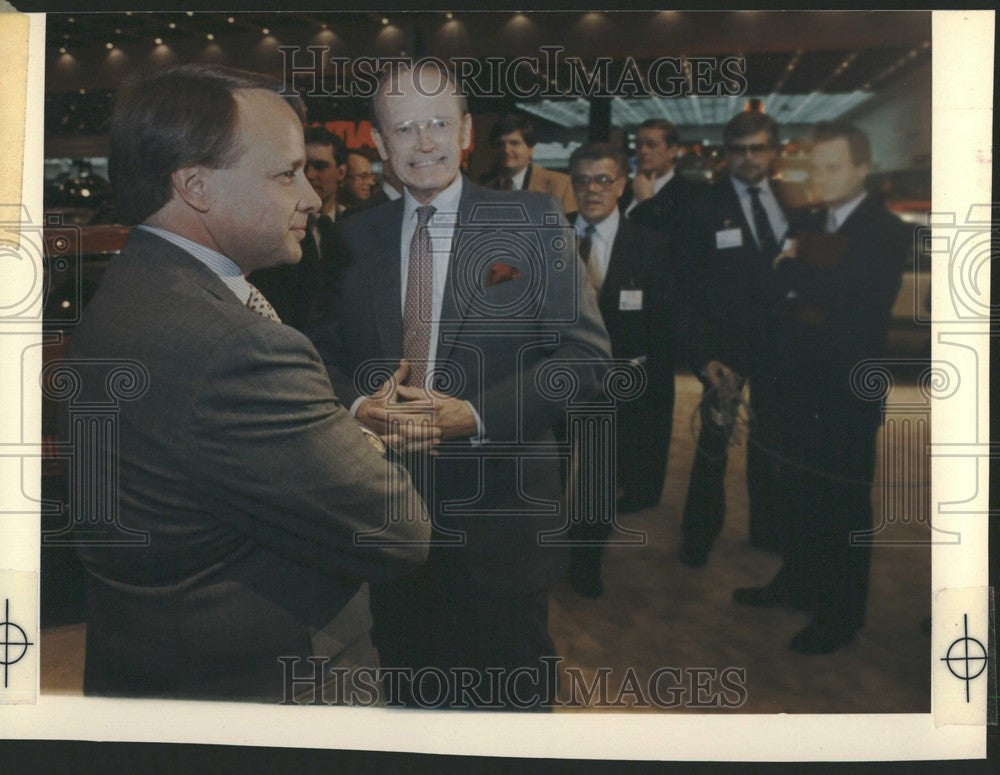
pixel 762 224
pixel 418 306
pixel 260 305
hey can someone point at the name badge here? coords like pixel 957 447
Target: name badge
pixel 728 238
pixel 630 301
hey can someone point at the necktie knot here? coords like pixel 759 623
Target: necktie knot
pixel 424 215
pixel 754 191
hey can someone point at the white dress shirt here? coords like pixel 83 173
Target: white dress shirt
pixel 601 243
pixel 517 180
pixel 442 233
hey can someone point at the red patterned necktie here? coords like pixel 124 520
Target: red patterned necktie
pixel 418 306
pixel 260 305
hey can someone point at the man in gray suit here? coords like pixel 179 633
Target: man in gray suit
pixel 480 291
pixel 256 488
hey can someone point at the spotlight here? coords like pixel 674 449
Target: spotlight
pixel 384 20
pixel 265 31
pixel 109 45
pixel 210 36
pixel 62 50
pixel 158 41
pixel 172 25
pixel 231 20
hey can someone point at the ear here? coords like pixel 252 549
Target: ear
pixel 466 132
pixel 190 184
pixel 379 144
pixel 341 173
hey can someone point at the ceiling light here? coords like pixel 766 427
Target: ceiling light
pixel 265 31
pixel 210 36
pixel 230 20
pixel 158 41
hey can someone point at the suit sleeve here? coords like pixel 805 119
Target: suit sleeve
pixel 569 312
pixel 288 466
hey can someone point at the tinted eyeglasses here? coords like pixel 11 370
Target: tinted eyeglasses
pixel 738 149
pixel 601 181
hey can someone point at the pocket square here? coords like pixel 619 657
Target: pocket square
pixel 501 273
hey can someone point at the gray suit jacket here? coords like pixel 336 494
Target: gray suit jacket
pixel 497 344
pixel 251 481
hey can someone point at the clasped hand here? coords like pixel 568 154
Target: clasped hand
pixel 410 418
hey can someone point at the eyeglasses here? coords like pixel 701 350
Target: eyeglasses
pixel 583 181
pixel 435 127
pixel 736 149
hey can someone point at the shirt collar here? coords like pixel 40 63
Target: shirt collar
pixel 224 268
pixel 445 202
pixel 517 179
pixel 742 188
pixel 605 229
pixel 842 212
pixel 661 181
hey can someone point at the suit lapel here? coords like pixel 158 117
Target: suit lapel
pixel 620 261
pixel 385 278
pixel 453 306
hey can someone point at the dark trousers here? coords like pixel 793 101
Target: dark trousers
pixel 705 505
pixel 829 491
pixel 458 646
pixel 643 434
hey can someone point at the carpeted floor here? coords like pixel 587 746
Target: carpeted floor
pixel 661 623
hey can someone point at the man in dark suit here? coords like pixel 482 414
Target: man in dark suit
pixel 359 180
pixel 388 191
pixel 834 296
pixel 253 484
pixel 660 199
pixel 626 264
pixel 297 291
pixel 740 226
pixel 657 196
pixel 513 139
pixel 481 293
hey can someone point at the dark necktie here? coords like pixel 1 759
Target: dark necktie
pixel 586 243
pixel 762 224
pixel 418 306
pixel 507 183
pixel 260 305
